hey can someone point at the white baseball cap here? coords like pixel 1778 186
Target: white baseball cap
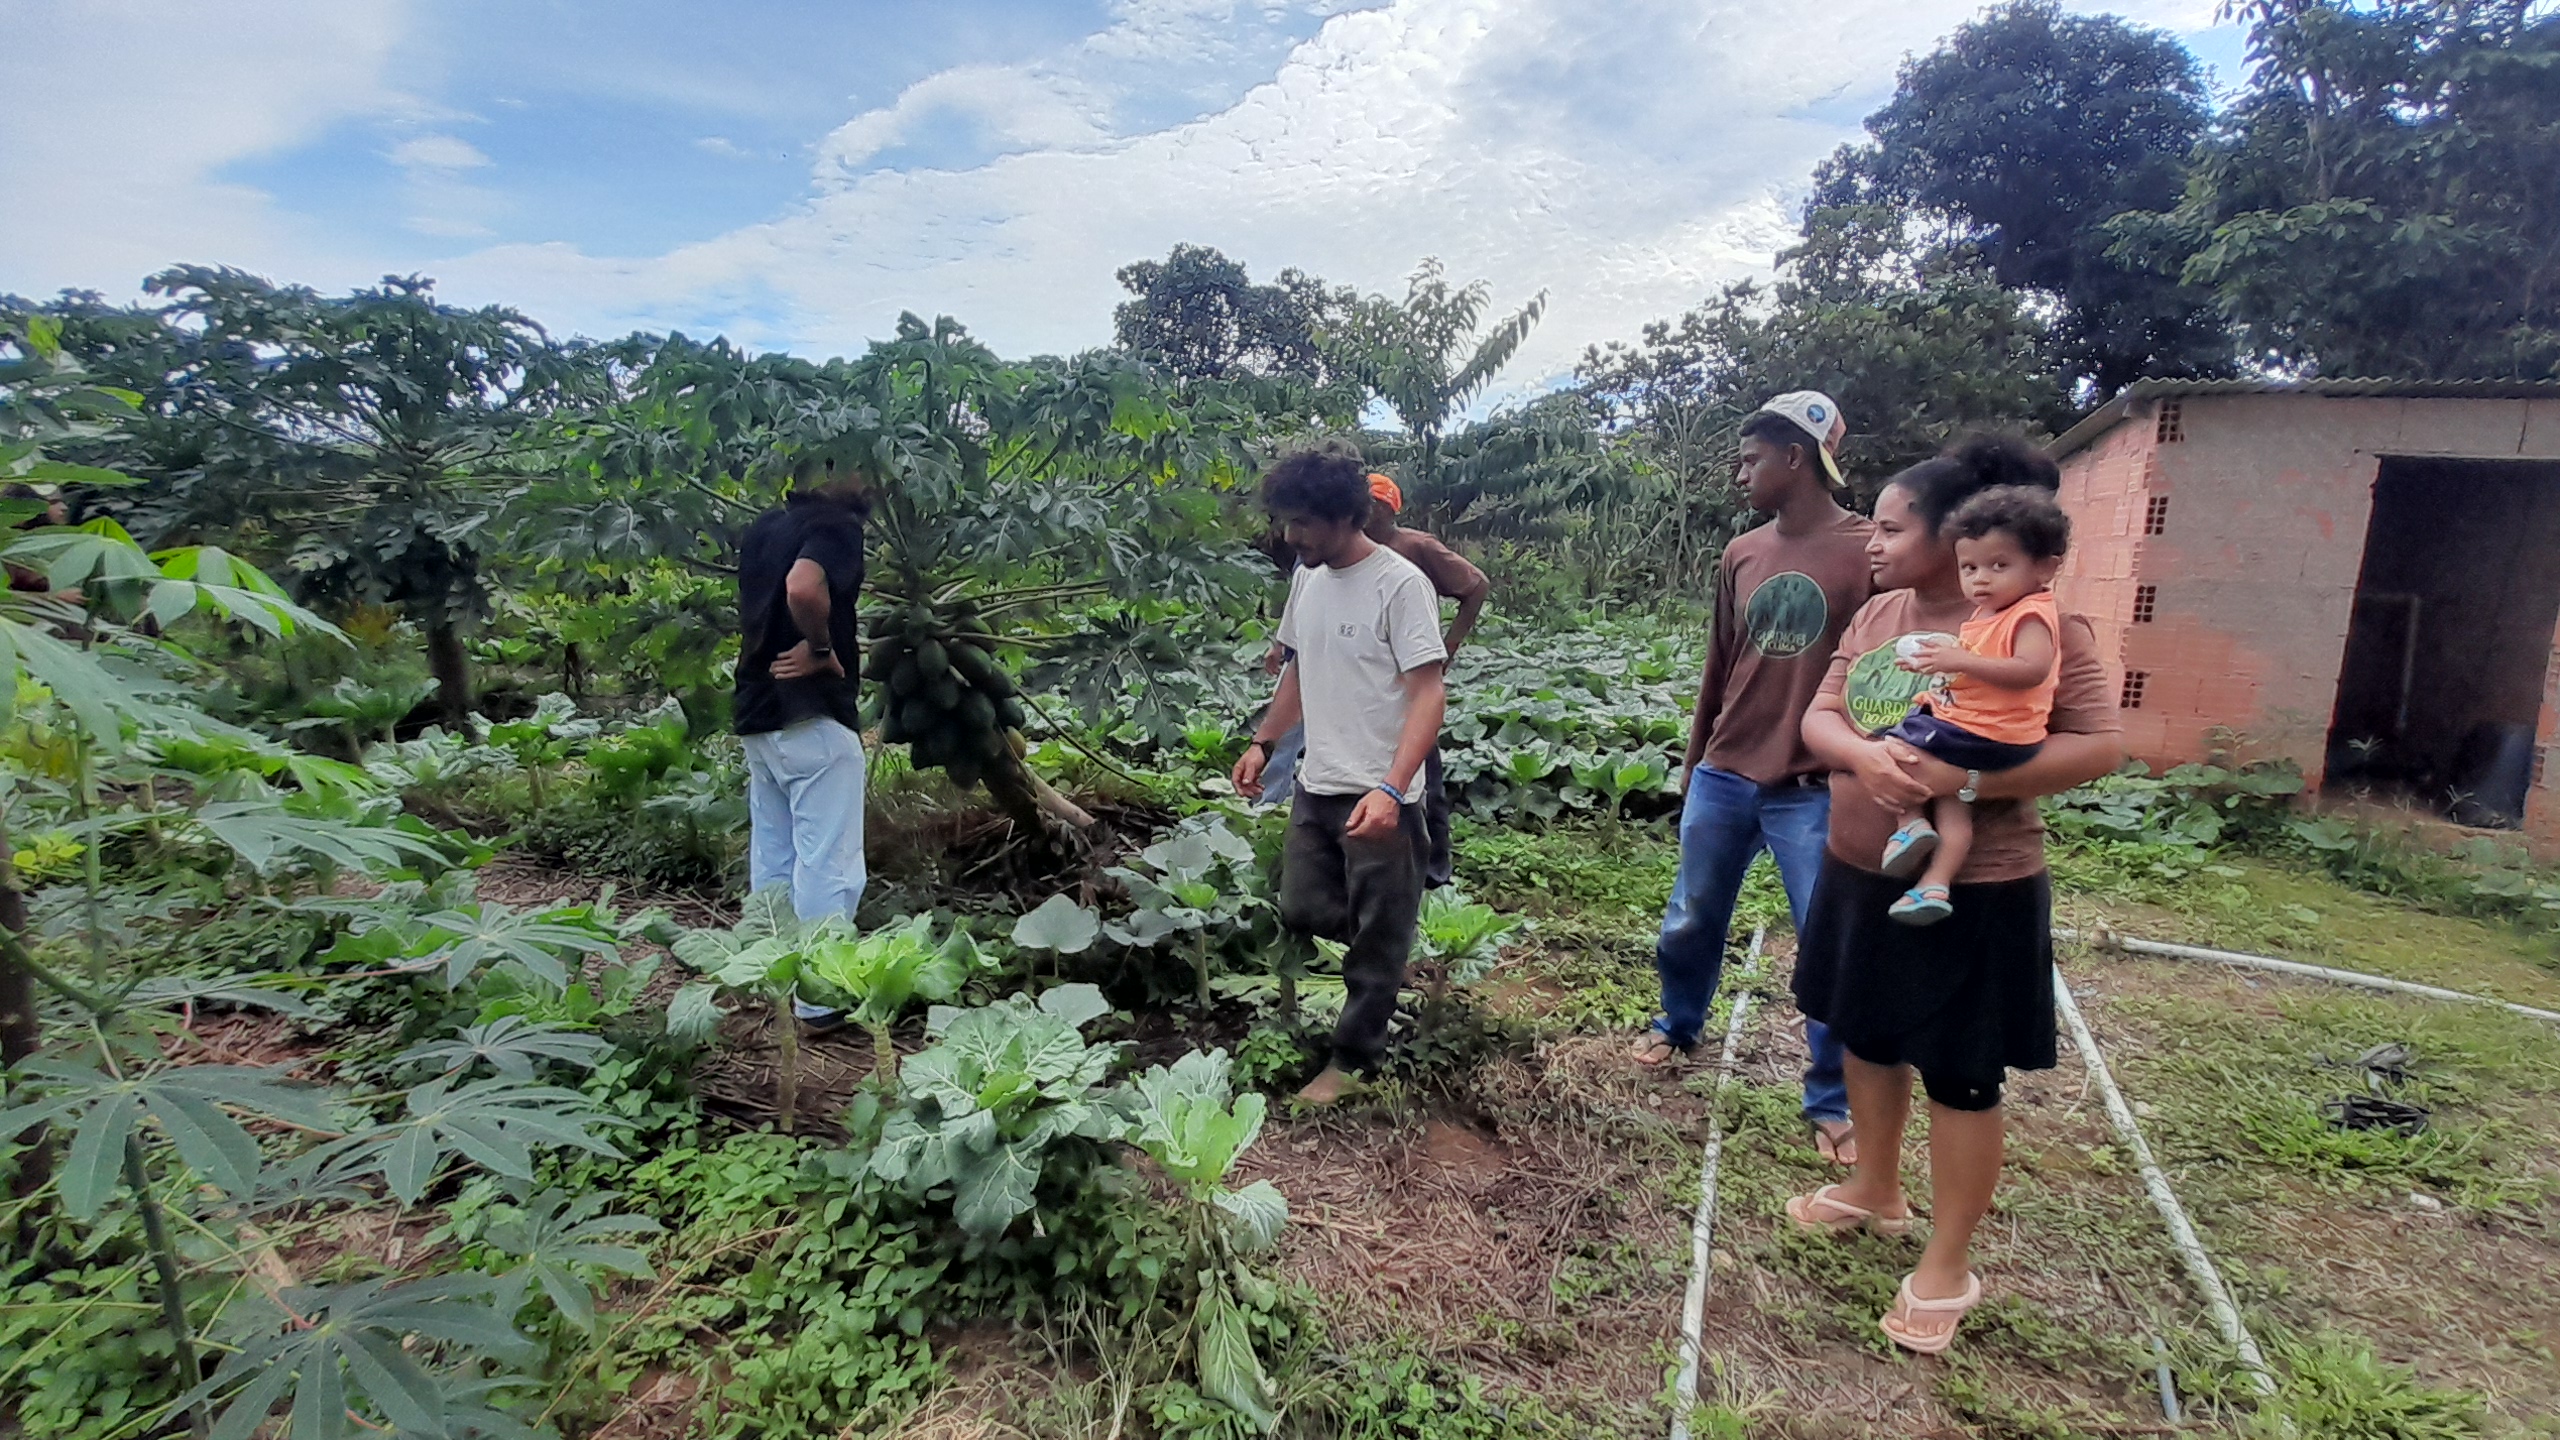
pixel 1817 415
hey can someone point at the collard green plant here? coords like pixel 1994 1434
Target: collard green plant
pixel 877 978
pixel 760 957
pixel 1189 1119
pixel 994 1101
pixel 1197 885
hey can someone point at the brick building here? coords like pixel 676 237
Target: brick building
pixel 2362 576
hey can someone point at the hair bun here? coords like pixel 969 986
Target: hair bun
pixel 2004 460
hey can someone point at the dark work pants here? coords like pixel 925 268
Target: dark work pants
pixel 1366 894
pixel 1439 867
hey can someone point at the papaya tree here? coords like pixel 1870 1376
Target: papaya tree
pixel 1021 514
pixel 374 437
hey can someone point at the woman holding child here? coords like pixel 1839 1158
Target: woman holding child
pixel 1950 978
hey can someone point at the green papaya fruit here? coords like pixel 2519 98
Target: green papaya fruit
pixel 883 661
pixel 904 678
pixel 1010 712
pixel 921 717
pixel 964 773
pixel 933 658
pixel 978 713
pixel 893 725
pixel 945 692
pixel 971 663
pixel 1015 742
pixel 992 744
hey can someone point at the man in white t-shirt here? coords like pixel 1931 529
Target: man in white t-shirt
pixel 1364 626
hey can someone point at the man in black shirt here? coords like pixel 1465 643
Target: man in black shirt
pixel 798 695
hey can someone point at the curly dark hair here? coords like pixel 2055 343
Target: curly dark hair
pixel 1971 465
pixel 2029 515
pixel 1327 480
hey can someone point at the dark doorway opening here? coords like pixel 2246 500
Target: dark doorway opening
pixel 2442 681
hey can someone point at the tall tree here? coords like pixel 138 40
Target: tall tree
pixel 1199 315
pixel 382 431
pixel 1430 353
pixel 2028 131
pixel 2385 198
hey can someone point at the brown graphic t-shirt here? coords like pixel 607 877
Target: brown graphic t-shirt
pixel 1781 603
pixel 2008 835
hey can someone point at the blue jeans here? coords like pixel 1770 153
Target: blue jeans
pixel 1729 820
pixel 1280 767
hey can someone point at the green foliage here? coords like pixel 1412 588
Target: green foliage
pixel 1190 1121
pixel 2358 211
pixel 1008 1092
pixel 2334 1386
pixel 1195 886
pixel 1427 355
pixel 2031 129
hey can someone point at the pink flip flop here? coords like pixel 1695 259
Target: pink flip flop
pixel 1824 1213
pixel 1942 1317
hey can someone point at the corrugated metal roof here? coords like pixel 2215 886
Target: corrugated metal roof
pixel 2099 421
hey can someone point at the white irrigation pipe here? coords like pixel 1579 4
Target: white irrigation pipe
pixel 2108 939
pixel 1693 1308
pixel 2200 1266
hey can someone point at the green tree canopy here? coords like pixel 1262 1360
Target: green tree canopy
pixel 1916 345
pixel 2027 132
pixel 2384 200
pixel 1430 353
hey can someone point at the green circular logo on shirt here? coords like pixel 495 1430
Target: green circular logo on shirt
pixel 1786 615
pixel 1879 691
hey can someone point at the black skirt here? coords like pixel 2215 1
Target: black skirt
pixel 1968 997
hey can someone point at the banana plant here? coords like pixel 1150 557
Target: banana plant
pixel 1190 1121
pixel 982 1109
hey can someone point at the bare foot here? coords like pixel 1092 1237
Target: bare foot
pixel 1836 1141
pixel 1327 1087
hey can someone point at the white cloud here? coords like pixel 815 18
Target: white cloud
pixel 1626 166
pixel 132 109
pixel 1626 158
pixel 438 152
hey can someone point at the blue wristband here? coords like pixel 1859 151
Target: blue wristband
pixel 1394 793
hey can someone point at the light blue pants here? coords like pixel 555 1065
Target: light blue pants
pixel 804 813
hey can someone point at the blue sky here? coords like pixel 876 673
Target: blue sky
pixel 795 173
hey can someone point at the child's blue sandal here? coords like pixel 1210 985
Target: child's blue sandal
pixel 1910 849
pixel 1922 905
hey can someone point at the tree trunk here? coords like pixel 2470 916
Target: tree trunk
pixel 452 667
pixel 1050 820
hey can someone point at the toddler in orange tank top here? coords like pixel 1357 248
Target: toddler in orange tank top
pixel 1993 692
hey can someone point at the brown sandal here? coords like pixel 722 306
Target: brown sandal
pixel 1839 1146
pixel 1656 1052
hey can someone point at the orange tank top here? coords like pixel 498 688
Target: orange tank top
pixel 2011 717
